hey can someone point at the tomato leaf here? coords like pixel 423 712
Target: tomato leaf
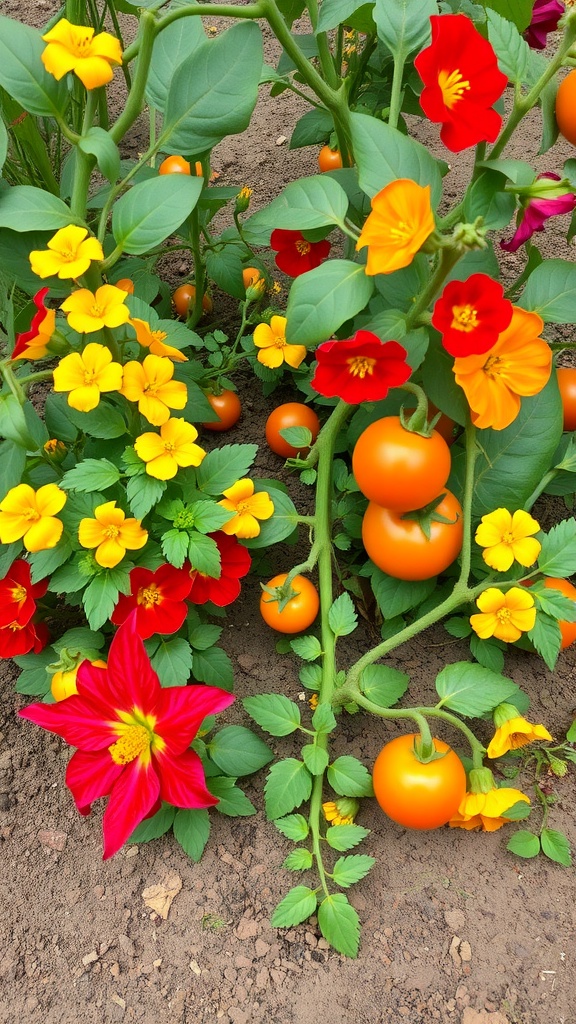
pixel 213 666
pixel 192 830
pixel 556 846
pixel 274 713
pixel 288 785
pixel 238 751
pixel 307 647
pixel 383 684
pixel 349 777
pixel 293 826
pixel 546 637
pixel 298 905
pixel 342 616
pixel 231 800
pixel 472 690
pixel 154 827
pixel 298 860
pixel 315 758
pixel 349 870
pixel 558 554
pixel 394 597
pixel 281 524
pixel 345 837
pixel 524 844
pixel 340 924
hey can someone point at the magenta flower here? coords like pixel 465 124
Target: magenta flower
pixel 545 17
pixel 537 212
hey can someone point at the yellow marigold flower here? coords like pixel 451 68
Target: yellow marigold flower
pixel 150 384
pixel 111 534
pixel 76 48
pixel 400 222
pixel 91 311
pixel 69 254
pixel 29 515
pixel 86 375
pixel 247 507
pixel 274 349
pixel 519 364
pixel 485 806
pixel 515 733
pixel 341 811
pixel 154 341
pixel 173 447
pixel 508 537
pixel 504 616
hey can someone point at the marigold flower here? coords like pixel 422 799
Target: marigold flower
pixel 111 534
pixel 18 594
pixel 274 349
pixel 133 737
pixel 33 344
pixel 504 616
pixel 173 447
pixel 154 341
pixel 471 314
pixel 513 732
pixel 157 598
pixel 400 222
pixel 69 254
pixel 86 375
pixel 508 537
pixel 235 562
pixel 76 48
pixel 91 311
pixel 341 811
pixel 545 17
pixel 248 507
pixel 29 515
pixel 518 364
pixel 487 810
pixel 461 82
pixel 16 639
pixel 150 384
pixel 362 369
pixel 538 210
pixel 295 255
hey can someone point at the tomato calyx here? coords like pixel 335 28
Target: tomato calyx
pixel 416 420
pixel 282 594
pixel 428 514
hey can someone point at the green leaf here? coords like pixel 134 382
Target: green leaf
pixel 223 466
pixel 518 811
pixel 321 300
pixel 3 143
pixel 100 599
pixel 349 777
pixel 458 627
pixel 238 751
pixel 487 653
pixel 171 46
pixel 472 690
pixel 204 554
pixel 384 154
pixel 175 547
pixel 571 734
pixel 154 827
pixel 34 680
pixel 394 597
pixel 298 860
pixel 404 26
pixel 555 846
pixel 22 73
pixel 524 844
pixel 512 51
pixel 550 291
pixel 293 826
pixel 297 906
pixel 288 785
pixel 152 210
pixel 208 515
pixel 173 662
pixel 546 637
pixel 310 676
pixel 339 924
pixel 305 204
pixel 204 636
pixel 12 464
pixel 307 647
pixel 558 553
pixel 314 126
pixel 281 524
pixel 231 800
pixel 274 713
pixel 143 493
pixel 337 12
pixel 349 870
pixel 517 11
pixel 342 617
pixel 91 475
pixel 383 684
pixel 224 267
pixel 192 830
pixel 23 205
pixel 324 720
pixel 100 144
pixel 487 199
pixel 103 422
pixel 213 666
pixel 44 563
pixel 345 837
pixel 14 424
pixel 315 758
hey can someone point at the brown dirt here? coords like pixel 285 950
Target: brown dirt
pixel 455 929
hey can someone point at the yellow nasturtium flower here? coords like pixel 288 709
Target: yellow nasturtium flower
pixel 273 347
pixel 508 537
pixel 150 384
pixel 29 515
pixel 91 311
pixel 514 733
pixel 69 254
pixel 154 341
pixel 111 534
pixel 485 806
pixel 504 616
pixel 247 507
pixel 85 375
pixel 400 222
pixel 173 447
pixel 76 48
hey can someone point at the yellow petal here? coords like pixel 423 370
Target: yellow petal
pixel 90 533
pixel 109 553
pixel 43 534
pixel 239 491
pixel 50 499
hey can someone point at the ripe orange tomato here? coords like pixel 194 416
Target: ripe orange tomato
pixel 397 468
pixel 291 414
pixel 300 611
pixel 252 277
pixel 227 406
pixel 126 284
pixel 567 629
pixel 174 165
pixel 567 383
pixel 566 107
pixel 329 159
pixel 414 794
pixel 183 299
pixel 401 548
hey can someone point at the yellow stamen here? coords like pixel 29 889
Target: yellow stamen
pixel 361 366
pixel 134 740
pixel 464 318
pixel 303 247
pixel 452 87
pixel 149 596
pixel 111 532
pixel 18 594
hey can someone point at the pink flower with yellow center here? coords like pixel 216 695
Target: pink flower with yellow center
pixel 33 344
pixel 154 341
pixel 274 349
pixel 150 384
pixel 173 447
pixel 400 222
pixel 504 616
pixel 247 508
pixel 76 48
pixel 85 375
pixel 69 254
pixel 30 516
pixel 111 534
pixel 91 311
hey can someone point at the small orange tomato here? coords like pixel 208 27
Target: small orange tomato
pixel 126 284
pixel 329 159
pixel 566 107
pixel 291 414
pixel 227 406
pixel 567 629
pixel 174 165
pixel 414 794
pixel 183 299
pixel 298 613
pixel 567 383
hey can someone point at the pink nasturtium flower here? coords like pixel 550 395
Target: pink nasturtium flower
pixel 133 738
pixel 545 17
pixel 539 209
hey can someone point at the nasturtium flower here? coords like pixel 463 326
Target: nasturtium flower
pixel 91 311
pixel 248 507
pixel 487 811
pixel 16 639
pixel 235 562
pixel 150 384
pixel 154 341
pixel 33 344
pixel 18 594
pixel 158 599
pixel 295 255
pixel 462 81
pixel 400 222
pixel 133 738
pixel 69 254
pixel 85 375
pixel 341 811
pixel 173 447
pixel 111 534
pixel 30 516
pixel 513 731
pixel 519 364
pixel 471 314
pixel 362 369
pixel 76 48
pixel 545 17
pixel 273 347
pixel 552 201
pixel 508 537
pixel 504 616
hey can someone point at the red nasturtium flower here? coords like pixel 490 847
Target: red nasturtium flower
pixel 133 737
pixel 16 639
pixel 471 314
pixel 33 344
pixel 362 369
pixel 235 562
pixel 158 598
pixel 461 82
pixel 294 254
pixel 551 202
pixel 18 634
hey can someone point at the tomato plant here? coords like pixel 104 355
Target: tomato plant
pixel 174 165
pixel 227 406
pixel 183 299
pixel 567 384
pixel 400 546
pixel 416 794
pixel 298 613
pixel 291 414
pixel 398 468
pixel 567 629
pixel 329 159
pixel 566 107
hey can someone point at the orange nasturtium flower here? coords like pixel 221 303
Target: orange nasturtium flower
pixel 85 375
pixel 154 341
pixel 247 507
pixel 69 254
pixel 150 384
pixel 400 222
pixel 111 534
pixel 504 616
pixel 33 344
pixel 519 364
pixel 173 447
pixel 508 537
pixel 91 311
pixel 513 731
pixel 76 48
pixel 274 349
pixel 29 515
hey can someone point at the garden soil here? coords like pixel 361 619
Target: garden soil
pixel 454 928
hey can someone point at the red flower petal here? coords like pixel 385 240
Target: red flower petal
pixel 182 781
pixel 471 314
pixel 91 775
pixel 181 711
pixel 132 797
pixel 361 369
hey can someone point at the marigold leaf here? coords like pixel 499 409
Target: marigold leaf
pixel 90 475
pixel 324 719
pixel 524 844
pixel 274 713
pixel 192 830
pixel 289 783
pixel 298 860
pixel 558 553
